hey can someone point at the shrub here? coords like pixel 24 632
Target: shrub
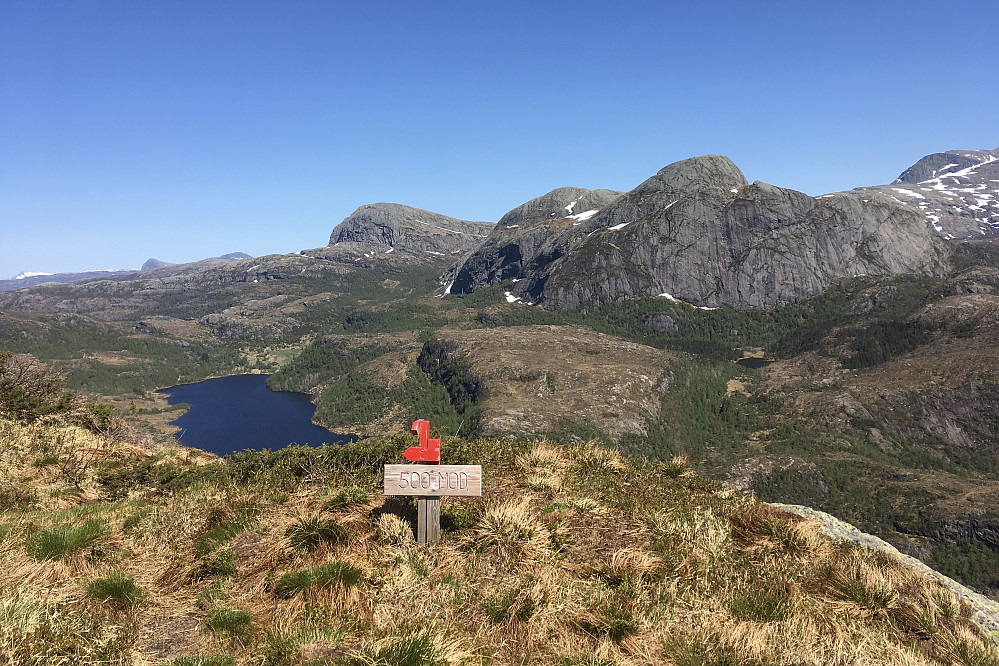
pixel 335 573
pixel 29 391
pixel 116 589
pixel 312 532
pixel 61 541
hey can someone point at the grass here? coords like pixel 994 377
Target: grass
pixel 312 532
pixel 575 555
pixel 331 574
pixel 235 624
pixel 762 606
pixel 62 541
pixel 117 590
pixel 218 660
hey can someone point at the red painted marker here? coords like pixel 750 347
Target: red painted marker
pixel 429 450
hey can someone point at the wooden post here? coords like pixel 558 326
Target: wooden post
pixel 428 521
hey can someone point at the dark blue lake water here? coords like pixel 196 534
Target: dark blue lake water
pixel 230 414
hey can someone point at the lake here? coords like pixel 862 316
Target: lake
pixel 230 414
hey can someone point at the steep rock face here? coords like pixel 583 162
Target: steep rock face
pixel 697 232
pixel 389 227
pixel 957 191
pixel 524 233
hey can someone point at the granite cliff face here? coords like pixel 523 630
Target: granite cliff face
pixel 523 235
pixel 698 232
pixel 389 227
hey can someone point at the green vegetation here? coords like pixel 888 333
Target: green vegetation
pixel 62 541
pixel 73 345
pixel 443 366
pixel 328 359
pixel 330 574
pixel 756 605
pixel 312 532
pixel 232 623
pixel 973 563
pixel 117 590
pixel 220 660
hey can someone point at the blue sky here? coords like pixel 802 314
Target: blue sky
pixel 181 130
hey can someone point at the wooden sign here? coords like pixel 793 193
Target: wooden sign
pixel 434 480
pixel 430 481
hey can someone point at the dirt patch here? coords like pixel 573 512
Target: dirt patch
pixel 736 385
pixel 167 638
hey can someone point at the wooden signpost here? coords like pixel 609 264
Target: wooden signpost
pixel 428 480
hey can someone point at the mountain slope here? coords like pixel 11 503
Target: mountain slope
pixel 957 190
pixel 573 556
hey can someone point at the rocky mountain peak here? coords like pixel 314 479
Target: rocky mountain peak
pixel 941 164
pixel 151 263
pixel 698 232
pixel 694 173
pixel 388 227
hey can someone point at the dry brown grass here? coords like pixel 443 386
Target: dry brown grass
pixel 598 562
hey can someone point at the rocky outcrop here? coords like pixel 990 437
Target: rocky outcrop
pixel 699 233
pixel 389 227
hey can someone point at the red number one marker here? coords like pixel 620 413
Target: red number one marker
pixel 429 450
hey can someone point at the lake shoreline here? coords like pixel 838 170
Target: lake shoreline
pixel 237 412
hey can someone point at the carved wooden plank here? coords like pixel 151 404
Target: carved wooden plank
pixel 434 480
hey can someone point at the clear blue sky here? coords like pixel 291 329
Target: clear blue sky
pixel 179 130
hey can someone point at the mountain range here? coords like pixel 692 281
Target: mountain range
pixel 32 278
pixel 838 351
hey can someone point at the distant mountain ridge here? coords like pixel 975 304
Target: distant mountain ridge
pixel 32 278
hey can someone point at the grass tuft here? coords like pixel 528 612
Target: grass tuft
pixel 117 590
pixel 418 649
pixel 330 574
pixel 762 606
pixel 313 532
pixel 511 531
pixel 394 530
pixel 58 542
pixel 219 660
pixel 232 623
